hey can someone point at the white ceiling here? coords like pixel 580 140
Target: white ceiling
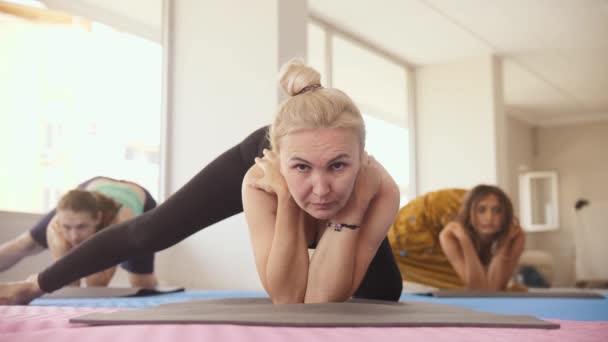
pixel 139 17
pixel 555 52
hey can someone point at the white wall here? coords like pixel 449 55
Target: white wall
pixel 521 156
pixel 459 112
pixel 578 153
pixel 224 58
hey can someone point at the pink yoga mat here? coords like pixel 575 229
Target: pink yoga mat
pixel 36 324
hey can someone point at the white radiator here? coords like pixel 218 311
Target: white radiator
pixel 591 241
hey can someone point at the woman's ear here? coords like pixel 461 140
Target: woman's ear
pixel 364 157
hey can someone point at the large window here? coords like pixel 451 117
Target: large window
pixel 77 99
pixel 379 87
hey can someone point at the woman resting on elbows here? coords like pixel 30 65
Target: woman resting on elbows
pixel 453 238
pixel 316 187
pixel 81 213
pixel 485 241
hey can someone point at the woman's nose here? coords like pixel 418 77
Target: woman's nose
pixel 486 217
pixel 320 186
pixel 74 236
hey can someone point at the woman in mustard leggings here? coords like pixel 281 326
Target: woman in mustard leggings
pixel 454 238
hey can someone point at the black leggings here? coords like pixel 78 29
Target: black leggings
pixel 211 196
pixel 140 264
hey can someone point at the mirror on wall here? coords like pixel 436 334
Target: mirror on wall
pixel 539 206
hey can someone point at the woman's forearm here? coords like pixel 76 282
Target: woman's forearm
pixel 503 264
pixel 499 273
pixel 331 272
pixel 287 264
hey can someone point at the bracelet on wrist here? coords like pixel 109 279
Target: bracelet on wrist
pixel 338 226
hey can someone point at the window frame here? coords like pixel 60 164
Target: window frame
pixel 331 31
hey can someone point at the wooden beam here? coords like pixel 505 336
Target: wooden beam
pixel 37 14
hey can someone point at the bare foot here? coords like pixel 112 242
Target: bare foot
pixel 19 293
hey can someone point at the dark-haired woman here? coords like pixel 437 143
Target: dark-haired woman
pixel 454 238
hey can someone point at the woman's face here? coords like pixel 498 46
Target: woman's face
pixel 487 216
pixel 320 167
pixel 77 226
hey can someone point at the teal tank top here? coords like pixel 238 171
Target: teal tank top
pixel 123 195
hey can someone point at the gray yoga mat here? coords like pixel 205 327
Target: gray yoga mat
pixel 513 294
pixel 108 292
pixel 355 313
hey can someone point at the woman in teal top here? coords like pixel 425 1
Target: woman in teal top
pixel 116 200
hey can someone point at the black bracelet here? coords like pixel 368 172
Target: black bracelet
pixel 338 226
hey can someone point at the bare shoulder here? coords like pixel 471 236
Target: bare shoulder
pixel 388 186
pixel 383 208
pixel 255 198
pixel 252 174
pixel 260 209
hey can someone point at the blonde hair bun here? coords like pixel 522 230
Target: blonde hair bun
pixel 295 77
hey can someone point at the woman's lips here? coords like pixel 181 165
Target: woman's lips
pixel 322 206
